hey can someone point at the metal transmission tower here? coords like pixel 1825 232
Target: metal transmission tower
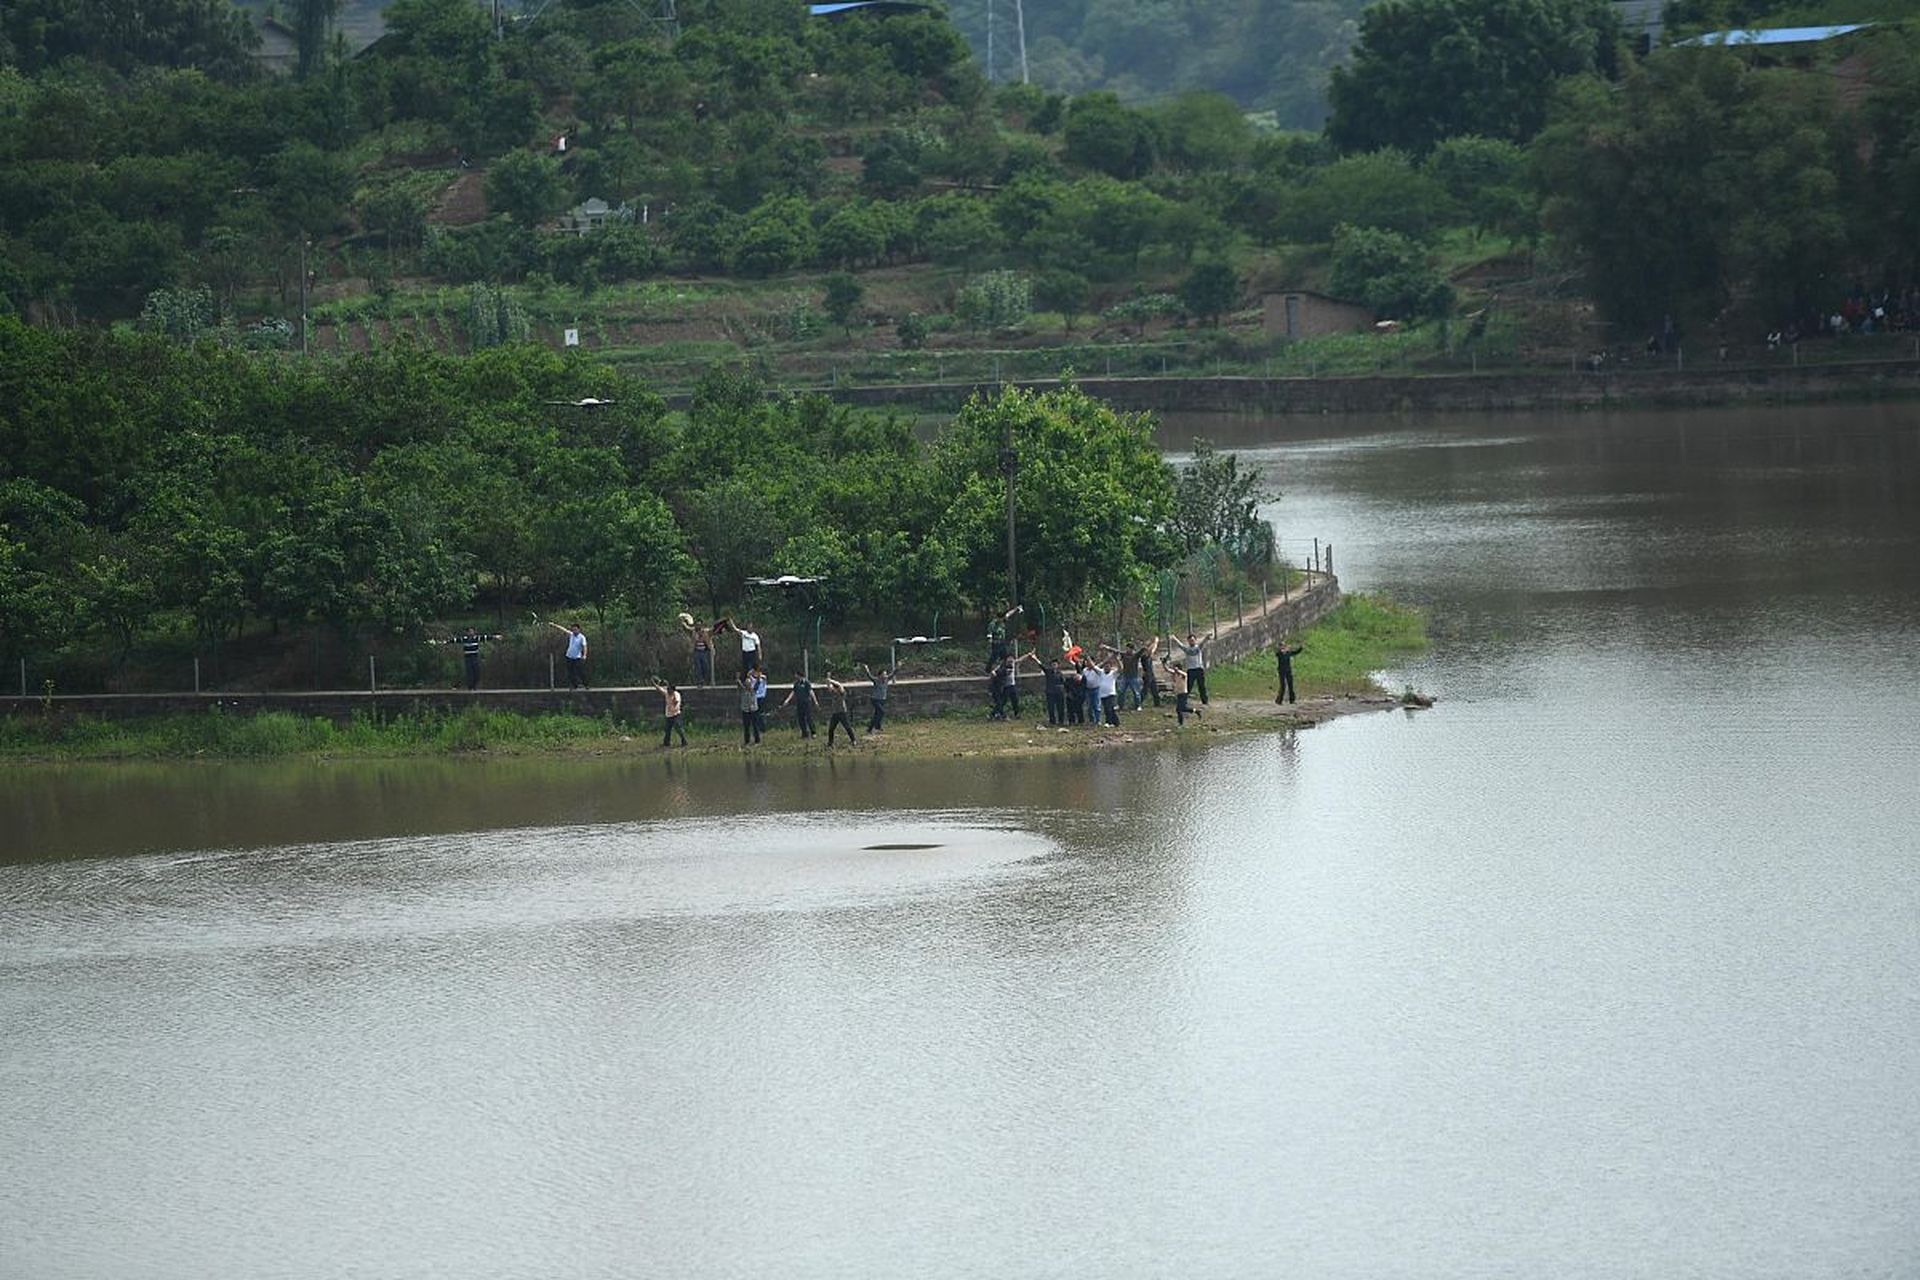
pixel 1020 33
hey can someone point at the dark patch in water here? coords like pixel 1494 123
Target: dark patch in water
pixel 901 846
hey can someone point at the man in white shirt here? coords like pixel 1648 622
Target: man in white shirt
pixel 749 648
pixel 1193 656
pixel 576 654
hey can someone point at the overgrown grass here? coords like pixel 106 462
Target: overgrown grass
pixel 222 735
pixel 1343 650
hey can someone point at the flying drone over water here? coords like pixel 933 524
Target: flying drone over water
pixel 587 402
pixel 786 581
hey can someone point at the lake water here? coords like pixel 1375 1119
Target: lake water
pixel 1609 966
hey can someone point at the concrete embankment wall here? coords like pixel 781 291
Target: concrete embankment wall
pixel 1444 393
pixel 1304 606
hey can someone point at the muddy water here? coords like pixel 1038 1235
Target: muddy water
pixel 1605 967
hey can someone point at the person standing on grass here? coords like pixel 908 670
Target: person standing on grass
pixel 1193 656
pixel 760 698
pixel 1054 690
pixel 1148 680
pixel 576 654
pixel 805 700
pixel 1177 682
pixel 1094 685
pixel 749 711
pixel 670 693
pixel 1109 692
pixel 882 684
pixel 1073 691
pixel 1130 686
pixel 841 717
pixel 997 689
pixel 1010 685
pixel 1285 656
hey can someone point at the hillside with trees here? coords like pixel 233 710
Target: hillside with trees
pixel 759 184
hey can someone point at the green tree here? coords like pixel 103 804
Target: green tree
pixel 1217 504
pixel 1388 272
pixel 1210 291
pixel 312 19
pixel 1091 499
pixel 526 187
pixel 1103 135
pixel 1205 131
pixel 1695 181
pixel 1487 181
pixel 1424 70
pixel 1379 189
pixel 308 189
pixel 1062 291
pixel 842 301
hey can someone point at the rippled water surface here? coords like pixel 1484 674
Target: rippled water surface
pixel 1605 967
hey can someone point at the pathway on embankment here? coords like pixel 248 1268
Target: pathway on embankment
pixel 1574 390
pixel 1293 610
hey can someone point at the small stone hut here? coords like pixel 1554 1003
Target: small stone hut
pixel 1301 314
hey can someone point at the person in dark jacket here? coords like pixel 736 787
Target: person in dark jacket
pixel 1284 655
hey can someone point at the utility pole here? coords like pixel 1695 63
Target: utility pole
pixel 1010 464
pixel 305 244
pixel 1020 25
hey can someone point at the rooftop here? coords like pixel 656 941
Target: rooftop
pixel 1749 36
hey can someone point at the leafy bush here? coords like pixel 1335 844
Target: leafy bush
pixel 995 300
pixel 1389 273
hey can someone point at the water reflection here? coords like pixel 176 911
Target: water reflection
pixel 1602 968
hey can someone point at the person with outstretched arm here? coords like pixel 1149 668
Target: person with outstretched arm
pixel 750 654
pixel 1192 656
pixel 469 642
pixel 882 684
pixel 841 717
pixel 997 647
pixel 749 710
pixel 576 654
pixel 805 700
pixel 670 694
pixel 1284 656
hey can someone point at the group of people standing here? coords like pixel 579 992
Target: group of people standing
pixel 753 689
pixel 1083 688
pixel 1078 687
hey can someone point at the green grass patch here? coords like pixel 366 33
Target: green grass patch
pixel 223 735
pixel 1343 650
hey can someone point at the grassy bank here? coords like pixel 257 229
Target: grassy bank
pixel 1343 651
pixel 1363 635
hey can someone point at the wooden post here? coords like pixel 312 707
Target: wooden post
pixel 373 676
pixel 196 673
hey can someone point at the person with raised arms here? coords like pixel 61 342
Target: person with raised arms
pixel 841 717
pixel 576 654
pixel 670 695
pixel 882 685
pixel 749 710
pixel 805 700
